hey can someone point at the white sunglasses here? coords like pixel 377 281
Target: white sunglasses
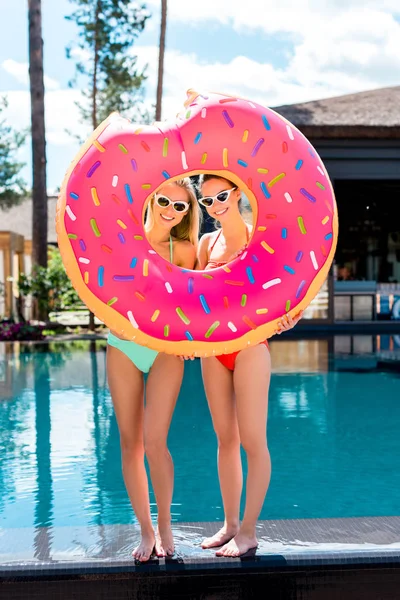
pixel 222 197
pixel 179 206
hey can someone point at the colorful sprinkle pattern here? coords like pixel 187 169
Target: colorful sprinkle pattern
pixel 292 240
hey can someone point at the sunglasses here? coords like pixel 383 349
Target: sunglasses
pixel 222 197
pixel 179 206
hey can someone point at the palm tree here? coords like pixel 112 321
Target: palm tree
pixel 39 186
pixel 163 30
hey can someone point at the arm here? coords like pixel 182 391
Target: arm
pixel 287 322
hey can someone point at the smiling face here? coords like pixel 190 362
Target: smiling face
pixel 167 217
pixel 220 210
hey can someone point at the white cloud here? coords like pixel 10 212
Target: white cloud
pixel 350 55
pixel 60 112
pixel 300 17
pixel 337 59
pixel 20 71
pixel 335 47
pixel 339 46
pixel 320 67
pixel 272 17
pixel 81 55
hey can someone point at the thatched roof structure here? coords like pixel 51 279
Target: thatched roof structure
pixel 18 219
pixel 372 114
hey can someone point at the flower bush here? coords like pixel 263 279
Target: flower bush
pixel 11 332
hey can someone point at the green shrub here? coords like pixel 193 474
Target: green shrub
pixel 50 286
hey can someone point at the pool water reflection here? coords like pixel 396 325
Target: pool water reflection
pixel 333 435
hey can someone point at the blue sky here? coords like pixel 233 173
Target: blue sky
pixel 272 53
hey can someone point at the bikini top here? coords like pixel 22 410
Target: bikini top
pixel 212 264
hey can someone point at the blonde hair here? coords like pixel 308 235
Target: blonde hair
pixel 188 229
pixel 246 216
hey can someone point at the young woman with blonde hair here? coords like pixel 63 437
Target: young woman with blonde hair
pixel 236 385
pixel 172 228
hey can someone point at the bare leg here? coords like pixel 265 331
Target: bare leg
pixel 163 385
pixel 218 384
pixel 251 381
pixel 126 386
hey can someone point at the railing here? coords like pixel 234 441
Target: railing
pixel 366 301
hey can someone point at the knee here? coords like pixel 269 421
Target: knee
pixel 228 440
pixel 254 445
pixel 155 447
pixel 131 448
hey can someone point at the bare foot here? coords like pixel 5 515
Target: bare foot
pixel 221 537
pixel 238 546
pixel 164 540
pixel 145 548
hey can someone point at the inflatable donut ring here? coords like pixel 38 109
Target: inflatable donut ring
pixel 144 298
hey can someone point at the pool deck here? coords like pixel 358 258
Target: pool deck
pixel 306 328
pixel 357 558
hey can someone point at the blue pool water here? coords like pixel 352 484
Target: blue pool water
pixel 334 436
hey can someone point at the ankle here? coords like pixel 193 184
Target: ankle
pixel 164 521
pixel 147 530
pixel 232 525
pixel 248 530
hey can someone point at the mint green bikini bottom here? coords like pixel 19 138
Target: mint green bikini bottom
pixel 142 357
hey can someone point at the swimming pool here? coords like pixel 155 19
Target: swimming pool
pixel 333 434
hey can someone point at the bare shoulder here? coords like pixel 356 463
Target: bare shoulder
pixel 207 239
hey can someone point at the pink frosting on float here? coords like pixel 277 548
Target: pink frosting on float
pixel 293 232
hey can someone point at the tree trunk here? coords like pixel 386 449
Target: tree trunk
pixel 163 30
pixel 94 106
pixel 39 187
pixel 95 66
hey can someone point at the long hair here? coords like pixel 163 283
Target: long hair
pixel 206 177
pixel 188 229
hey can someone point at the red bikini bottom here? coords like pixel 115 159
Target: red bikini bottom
pixel 228 360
